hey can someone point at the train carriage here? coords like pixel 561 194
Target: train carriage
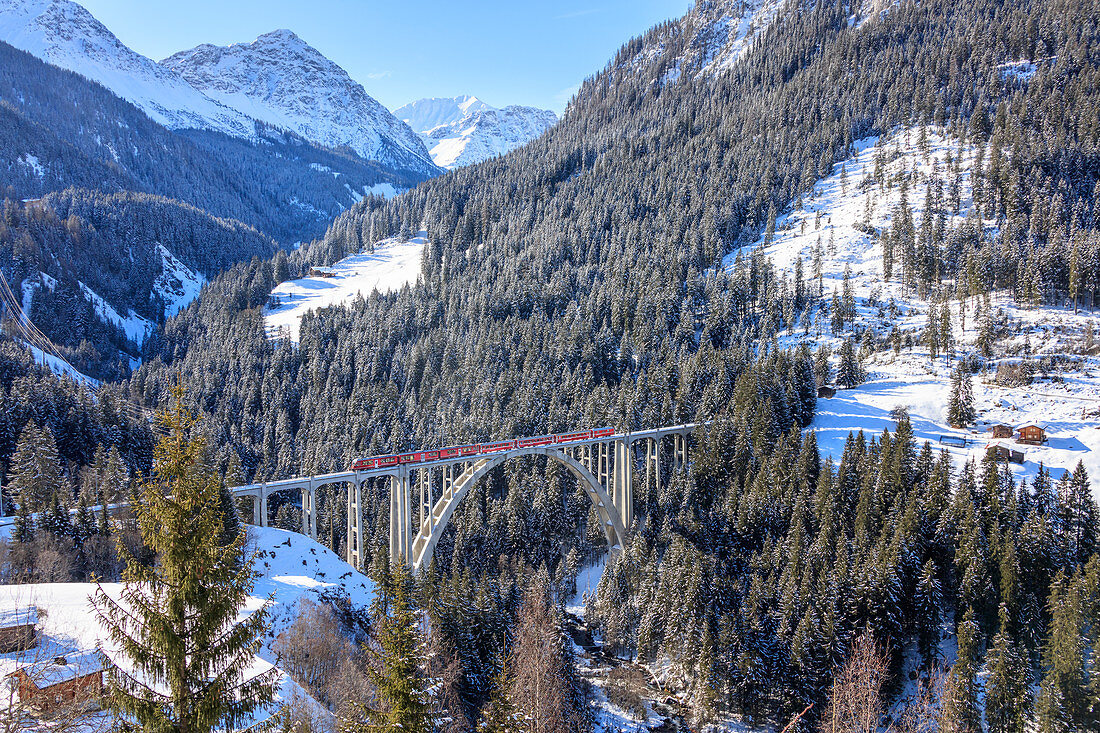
pixel 498 446
pixel 535 441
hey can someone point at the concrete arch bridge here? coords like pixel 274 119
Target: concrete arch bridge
pixel 425 494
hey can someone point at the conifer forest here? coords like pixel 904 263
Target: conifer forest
pixel 846 254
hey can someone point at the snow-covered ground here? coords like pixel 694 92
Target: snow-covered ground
pixel 134 326
pixel 393 264
pixel 289 567
pixel 838 212
pixel 178 284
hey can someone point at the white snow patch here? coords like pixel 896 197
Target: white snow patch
pixel 135 327
pixel 588 578
pixel 178 284
pixel 385 190
pixel 31 162
pixel 392 265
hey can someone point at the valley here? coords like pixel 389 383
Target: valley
pixel 747 381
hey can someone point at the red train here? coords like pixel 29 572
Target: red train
pixel 480 449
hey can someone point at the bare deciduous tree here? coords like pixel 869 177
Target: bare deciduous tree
pixel 313 649
pixel 855 705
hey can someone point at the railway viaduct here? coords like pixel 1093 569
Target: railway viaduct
pixel 424 495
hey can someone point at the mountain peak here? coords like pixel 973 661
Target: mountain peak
pixel 65 34
pixel 283 81
pixel 280 34
pixel 464 130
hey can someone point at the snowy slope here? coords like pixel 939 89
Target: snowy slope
pixel 280 79
pixel 838 210
pixel 66 35
pixel 464 130
pixel 290 567
pixel 707 40
pixel 392 264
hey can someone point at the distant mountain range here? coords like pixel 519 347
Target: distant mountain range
pixel 464 130
pixel 281 80
pixel 277 79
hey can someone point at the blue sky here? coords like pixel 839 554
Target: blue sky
pixel 535 52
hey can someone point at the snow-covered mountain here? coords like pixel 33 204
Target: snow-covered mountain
pixel 427 114
pixel 464 130
pixel 280 79
pixel 63 33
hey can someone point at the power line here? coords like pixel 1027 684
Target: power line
pixel 34 337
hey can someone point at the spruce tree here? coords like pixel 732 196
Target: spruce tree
pixel 960 711
pixel 849 372
pixel 1008 689
pixel 35 473
pixel 1063 698
pixel 403 704
pixel 499 715
pixel 960 404
pixel 187 657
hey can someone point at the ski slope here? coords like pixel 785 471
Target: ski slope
pixel 839 210
pixel 391 265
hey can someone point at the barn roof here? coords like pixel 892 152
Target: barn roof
pixel 1003 444
pixel 1032 424
pixel 18 617
pixel 49 672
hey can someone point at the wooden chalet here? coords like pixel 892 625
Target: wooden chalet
pixel 1004 451
pixel 72 679
pixel 18 630
pixel 1031 433
pixel 1002 431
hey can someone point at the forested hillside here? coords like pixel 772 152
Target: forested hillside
pixel 580 281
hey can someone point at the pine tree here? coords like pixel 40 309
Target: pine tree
pixel 35 473
pixel 499 715
pixel 1008 690
pixel 960 712
pixel 187 656
pixel 23 531
pixel 931 334
pixel 403 704
pixel 1063 698
pixel 848 298
pixel 960 405
pixel 849 372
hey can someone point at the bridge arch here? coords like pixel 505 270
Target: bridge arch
pixel 431 529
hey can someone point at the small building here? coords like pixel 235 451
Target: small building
pixel 18 630
pixel 1002 431
pixel 1003 451
pixel 1031 433
pixel 826 393
pixel 70 679
pixel 318 272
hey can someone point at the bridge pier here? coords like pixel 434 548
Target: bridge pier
pixel 400 501
pixel 622 494
pixel 354 547
pixel 309 510
pixel 263 505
